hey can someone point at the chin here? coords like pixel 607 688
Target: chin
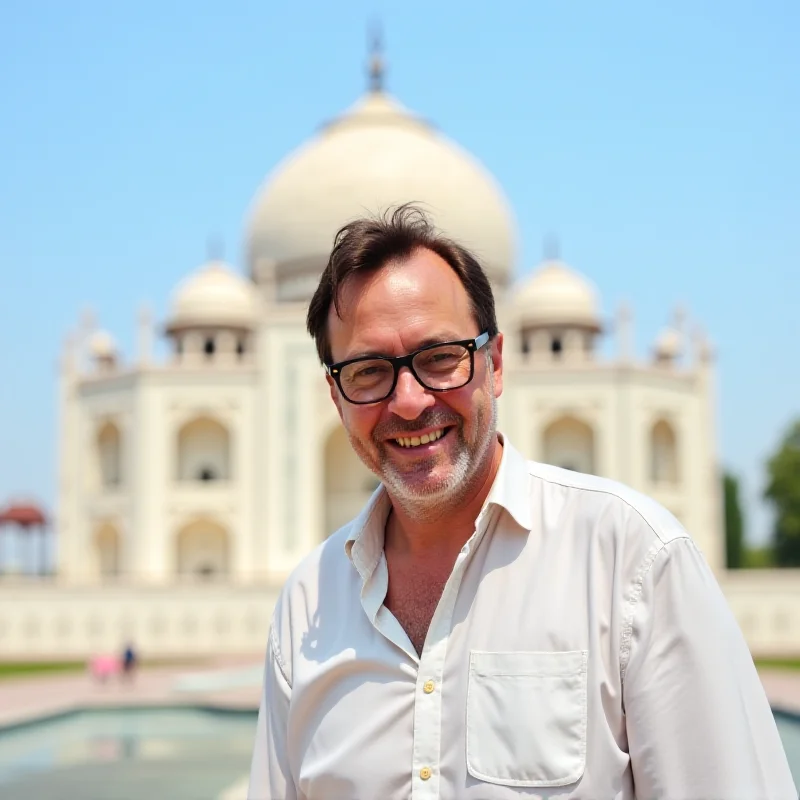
pixel 431 489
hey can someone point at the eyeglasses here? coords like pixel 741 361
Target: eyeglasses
pixel 437 367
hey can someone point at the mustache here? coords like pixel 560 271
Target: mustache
pixel 432 418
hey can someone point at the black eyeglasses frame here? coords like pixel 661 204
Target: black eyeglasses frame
pixel 398 362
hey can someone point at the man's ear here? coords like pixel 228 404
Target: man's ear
pixel 496 351
pixel 335 396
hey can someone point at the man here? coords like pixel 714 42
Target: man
pixel 489 628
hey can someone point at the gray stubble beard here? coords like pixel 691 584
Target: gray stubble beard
pixel 437 502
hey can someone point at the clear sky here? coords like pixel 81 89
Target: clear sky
pixel 659 141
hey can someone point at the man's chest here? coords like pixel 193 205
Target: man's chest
pixel 413 596
pixel 489 713
pixel 505 700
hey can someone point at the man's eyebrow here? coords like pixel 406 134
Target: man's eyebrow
pixel 441 339
pixel 426 342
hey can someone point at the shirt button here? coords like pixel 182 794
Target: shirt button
pixel 425 773
pixel 427 687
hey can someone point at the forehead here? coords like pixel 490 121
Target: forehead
pixel 399 305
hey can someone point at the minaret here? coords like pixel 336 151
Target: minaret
pixel 86 327
pixel 713 524
pixel 68 478
pixel 625 333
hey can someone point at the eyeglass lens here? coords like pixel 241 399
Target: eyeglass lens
pixel 445 367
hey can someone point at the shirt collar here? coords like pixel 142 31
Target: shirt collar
pixel 510 490
pixel 511 487
pixel 364 543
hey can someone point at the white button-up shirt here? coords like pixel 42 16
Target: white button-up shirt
pixel 581 649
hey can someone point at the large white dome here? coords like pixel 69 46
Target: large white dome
pixel 376 156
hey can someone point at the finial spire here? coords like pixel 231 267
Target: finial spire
pixel 377 66
pixel 551 248
pixel 215 250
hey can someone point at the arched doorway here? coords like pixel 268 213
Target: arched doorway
pixel 108 547
pixel 569 443
pixel 348 483
pixel 203 451
pixel 202 550
pixel 109 454
pixel 663 453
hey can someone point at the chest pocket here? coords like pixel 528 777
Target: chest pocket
pixel 526 717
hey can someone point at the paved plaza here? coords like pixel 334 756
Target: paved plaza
pixel 226 683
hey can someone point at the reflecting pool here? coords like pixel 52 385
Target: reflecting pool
pixel 127 754
pixel 157 754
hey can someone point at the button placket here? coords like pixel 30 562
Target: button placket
pixel 427 705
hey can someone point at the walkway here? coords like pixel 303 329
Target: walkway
pixel 224 684
pixel 221 684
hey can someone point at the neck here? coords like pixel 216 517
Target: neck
pixel 448 527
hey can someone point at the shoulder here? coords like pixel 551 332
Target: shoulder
pixel 322 578
pixel 326 565
pixel 610 505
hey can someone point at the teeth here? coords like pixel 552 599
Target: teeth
pixel 414 441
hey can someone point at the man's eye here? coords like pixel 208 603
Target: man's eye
pixel 369 372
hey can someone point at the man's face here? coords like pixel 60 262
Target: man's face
pixel 394 311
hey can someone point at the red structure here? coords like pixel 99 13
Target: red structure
pixel 28 517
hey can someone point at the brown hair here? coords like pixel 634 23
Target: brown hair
pixel 372 242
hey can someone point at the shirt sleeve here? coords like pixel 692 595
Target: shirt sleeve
pixel 698 720
pixel 270 777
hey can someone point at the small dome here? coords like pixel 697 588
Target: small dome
pixel 213 296
pixel 376 156
pixel 669 345
pixel 102 345
pixel 557 295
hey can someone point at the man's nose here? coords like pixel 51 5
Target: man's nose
pixel 409 398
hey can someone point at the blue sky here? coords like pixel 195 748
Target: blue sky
pixel 660 141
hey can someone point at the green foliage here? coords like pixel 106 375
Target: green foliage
pixel 13 669
pixel 758 557
pixel 792 664
pixel 734 524
pixel 783 491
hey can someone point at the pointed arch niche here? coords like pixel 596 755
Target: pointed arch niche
pixel 569 442
pixel 108 550
pixel 663 453
pixel 203 451
pixel 202 550
pixel 109 455
pixel 348 483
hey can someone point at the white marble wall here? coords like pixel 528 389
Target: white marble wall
pixel 46 620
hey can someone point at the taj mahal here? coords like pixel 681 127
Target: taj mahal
pixel 190 486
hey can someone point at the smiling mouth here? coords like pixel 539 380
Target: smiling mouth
pixel 417 441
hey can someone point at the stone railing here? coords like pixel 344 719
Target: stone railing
pixel 47 620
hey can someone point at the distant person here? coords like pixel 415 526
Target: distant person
pixel 129 662
pixel 102 667
pixel 489 628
